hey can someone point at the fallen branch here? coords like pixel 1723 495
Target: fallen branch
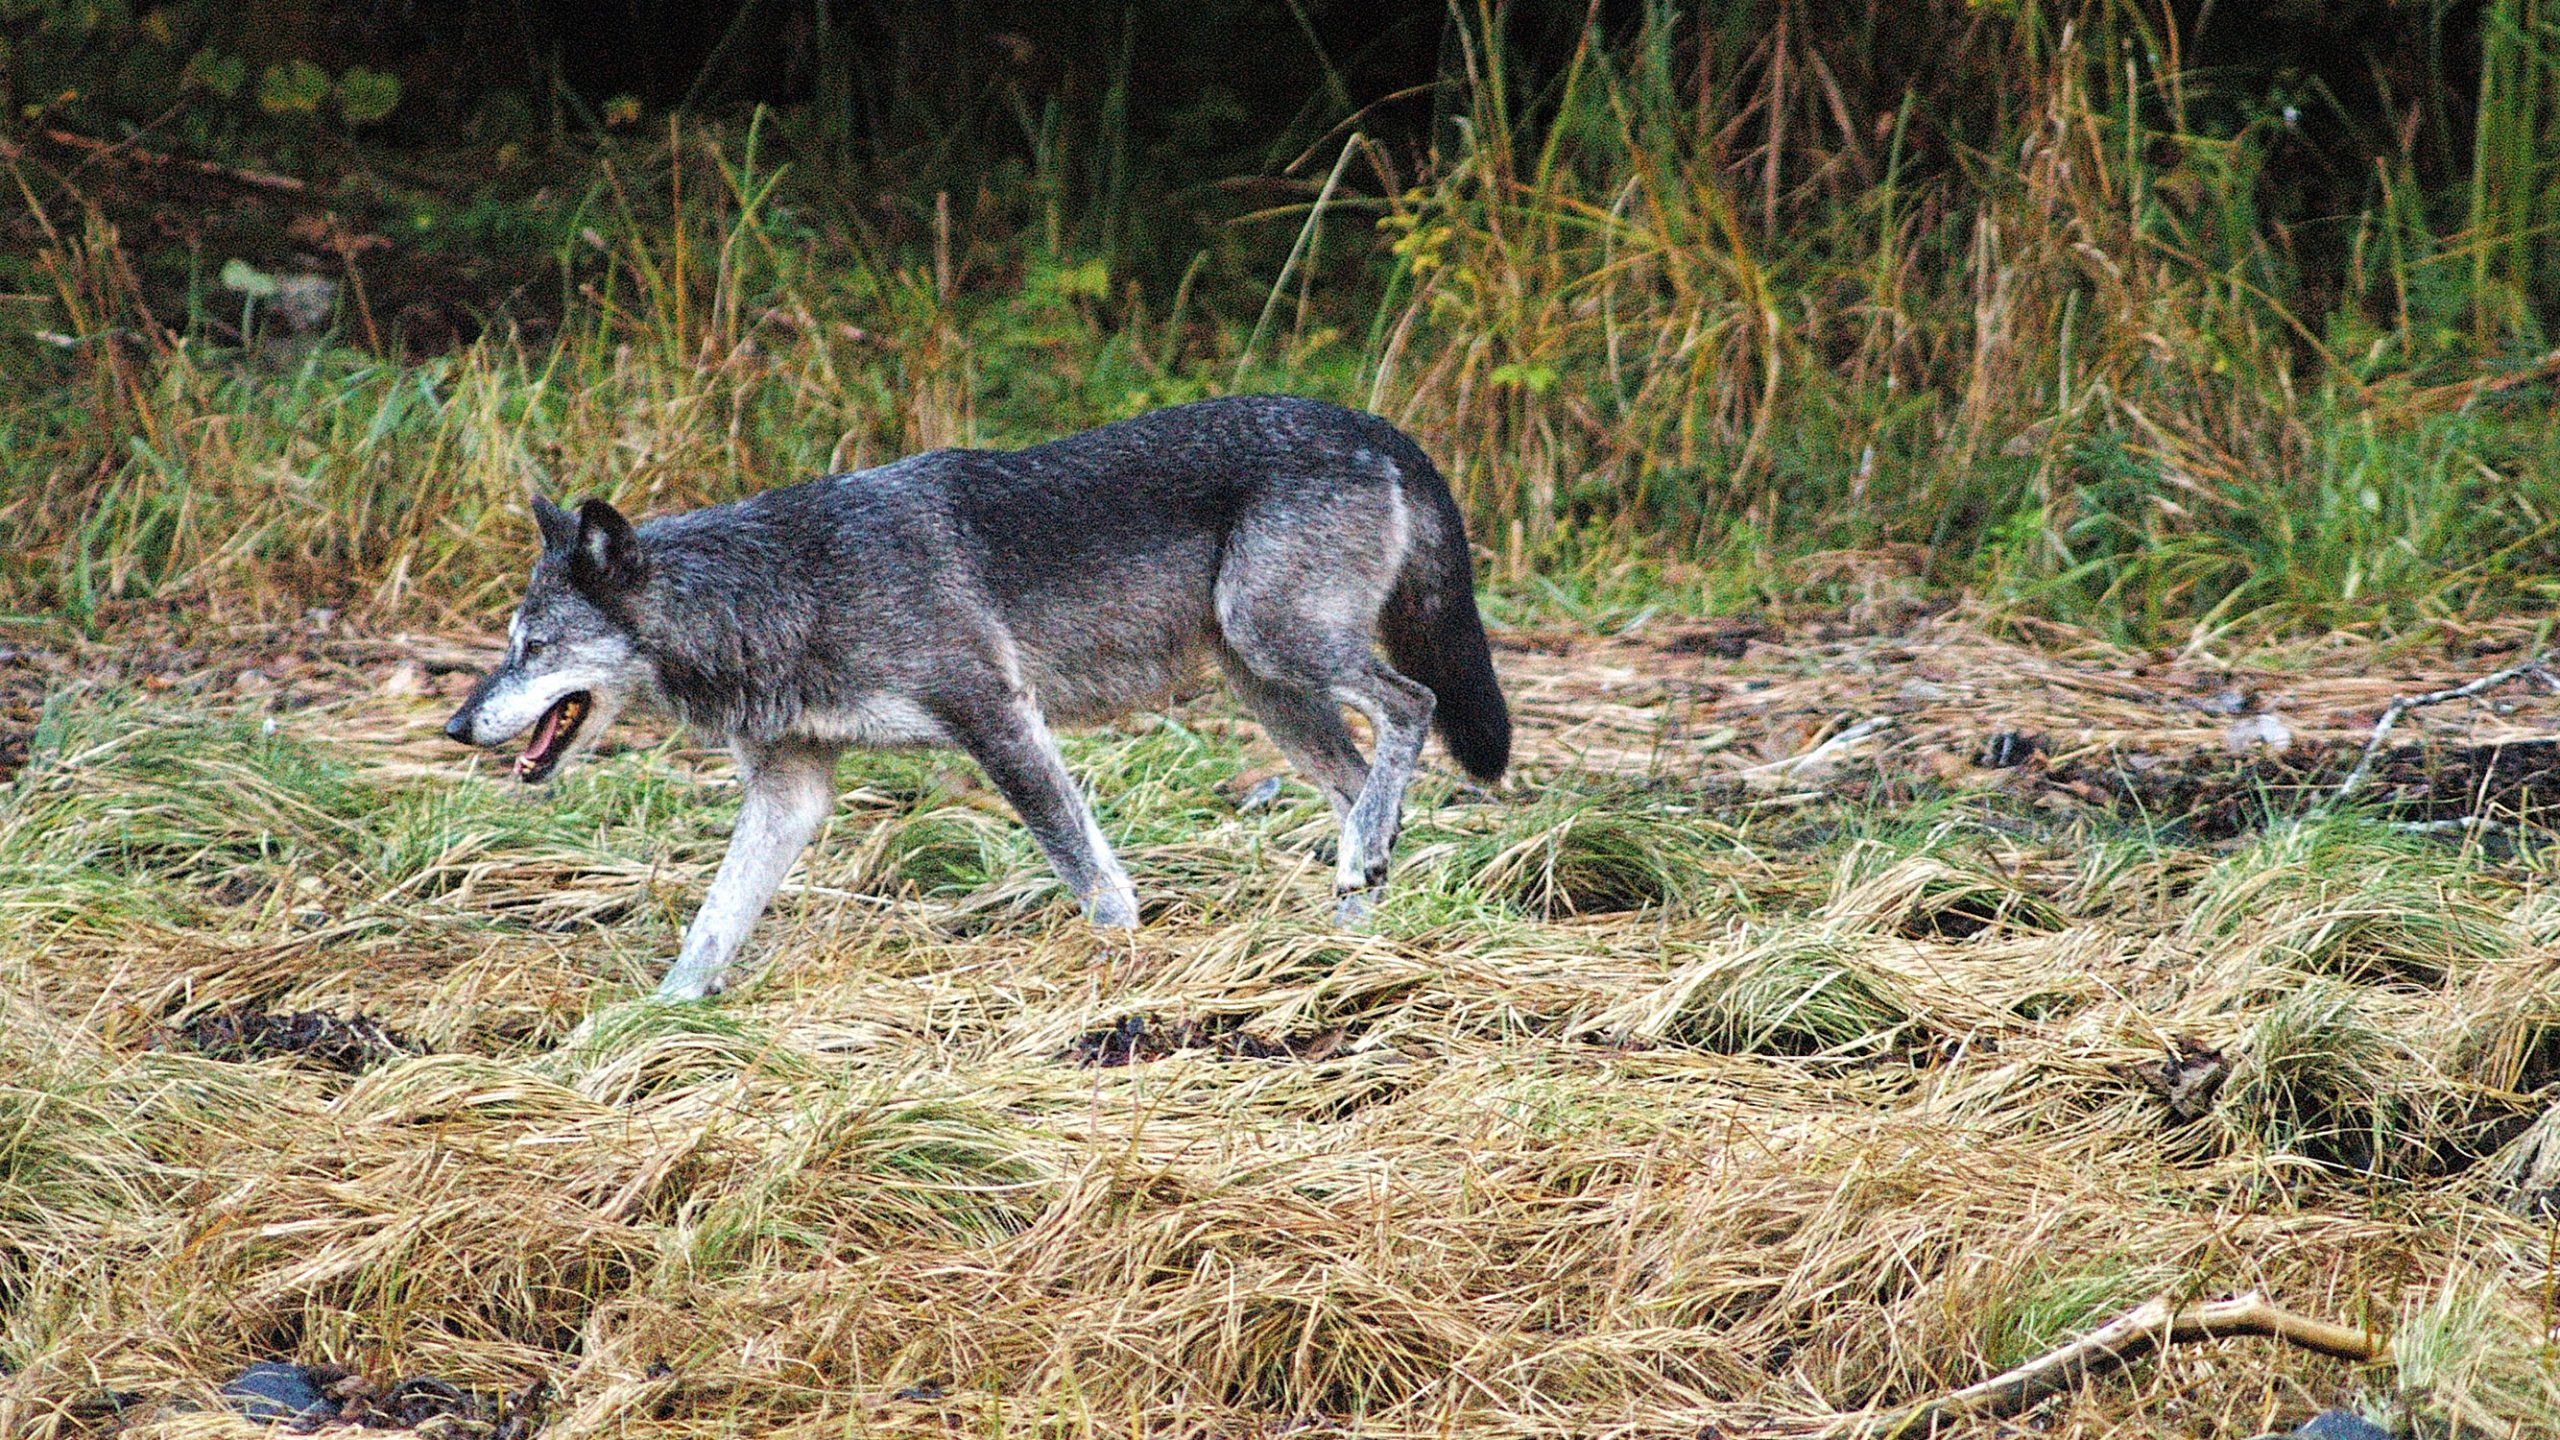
pixel 2112 1346
pixel 2535 667
pixel 1816 762
pixel 126 150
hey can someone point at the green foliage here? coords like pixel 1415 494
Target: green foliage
pixel 292 87
pixel 367 97
pixel 218 74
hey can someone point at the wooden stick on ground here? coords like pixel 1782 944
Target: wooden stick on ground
pixel 2112 1346
pixel 106 149
pixel 2535 667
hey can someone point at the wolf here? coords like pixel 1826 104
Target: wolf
pixel 976 598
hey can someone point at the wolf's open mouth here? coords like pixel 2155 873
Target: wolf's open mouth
pixel 552 734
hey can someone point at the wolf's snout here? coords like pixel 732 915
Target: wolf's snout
pixel 458 729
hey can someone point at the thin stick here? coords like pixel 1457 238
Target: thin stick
pixel 1849 738
pixel 104 149
pixel 2391 715
pixel 2112 1346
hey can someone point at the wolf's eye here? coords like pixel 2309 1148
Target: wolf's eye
pixel 533 647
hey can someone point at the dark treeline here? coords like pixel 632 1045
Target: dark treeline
pixel 1134 130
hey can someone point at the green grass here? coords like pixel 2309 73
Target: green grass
pixel 1568 854
pixel 1789 992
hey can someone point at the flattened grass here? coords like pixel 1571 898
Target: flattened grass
pixel 1635 1109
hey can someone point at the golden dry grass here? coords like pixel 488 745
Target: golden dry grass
pixel 1645 1110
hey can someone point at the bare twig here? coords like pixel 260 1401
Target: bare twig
pixel 2112 1346
pixel 105 149
pixel 1821 757
pixel 2536 668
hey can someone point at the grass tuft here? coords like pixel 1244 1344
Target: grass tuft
pixel 1779 990
pixel 2324 1077
pixel 1577 855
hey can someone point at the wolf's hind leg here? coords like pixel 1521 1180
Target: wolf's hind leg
pixel 1298 612
pixel 788 792
pixel 1306 724
pixel 1399 710
pixel 1013 745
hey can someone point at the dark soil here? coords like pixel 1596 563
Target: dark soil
pixel 348 1044
pixel 424 256
pixel 23 681
pixel 1138 1038
pixel 2218 796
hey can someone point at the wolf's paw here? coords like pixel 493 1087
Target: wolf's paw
pixel 1113 910
pixel 1352 909
pixel 682 985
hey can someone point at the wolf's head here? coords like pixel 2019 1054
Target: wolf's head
pixel 571 664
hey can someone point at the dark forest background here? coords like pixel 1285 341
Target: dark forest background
pixel 1148 128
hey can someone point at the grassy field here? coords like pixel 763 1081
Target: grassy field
pixel 1945 536
pixel 1660 1099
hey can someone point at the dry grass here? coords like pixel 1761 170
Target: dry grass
pixel 1645 1110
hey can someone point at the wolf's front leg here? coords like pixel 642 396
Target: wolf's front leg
pixel 789 790
pixel 1004 733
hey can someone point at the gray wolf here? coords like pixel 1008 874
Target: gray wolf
pixel 975 598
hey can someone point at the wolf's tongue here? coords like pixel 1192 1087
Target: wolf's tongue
pixel 545 731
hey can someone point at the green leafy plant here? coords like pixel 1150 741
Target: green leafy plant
pixel 367 97
pixel 292 87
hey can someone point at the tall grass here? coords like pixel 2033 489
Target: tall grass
pixel 1736 294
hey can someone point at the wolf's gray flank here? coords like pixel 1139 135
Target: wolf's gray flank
pixel 974 598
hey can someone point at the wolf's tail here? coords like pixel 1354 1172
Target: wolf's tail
pixel 1434 634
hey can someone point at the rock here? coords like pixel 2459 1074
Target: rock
pixel 271 1390
pixel 2341 1425
pixel 2251 732
pixel 1260 796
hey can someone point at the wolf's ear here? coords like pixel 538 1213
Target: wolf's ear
pixel 559 527
pixel 605 558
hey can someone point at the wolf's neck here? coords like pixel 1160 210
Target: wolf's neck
pixel 719 646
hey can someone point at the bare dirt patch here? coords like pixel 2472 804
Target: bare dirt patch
pixel 348 1044
pixel 2064 721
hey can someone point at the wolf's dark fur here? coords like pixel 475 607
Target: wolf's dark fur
pixel 969 597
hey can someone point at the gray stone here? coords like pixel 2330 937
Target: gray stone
pixel 269 1390
pixel 2341 1425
